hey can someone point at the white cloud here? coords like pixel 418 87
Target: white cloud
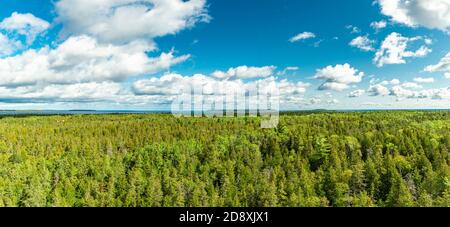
pixel 315 100
pixel 291 68
pixel 356 93
pixel 394 81
pixel 103 44
pixel 333 101
pixel 424 80
pixel 122 21
pixel 390 82
pixel 434 14
pixel 394 50
pixel 109 93
pixel 374 104
pixel 353 29
pixel 172 85
pixel 245 72
pixel 8 46
pixel 378 25
pixel 292 88
pixel 401 92
pixel 317 43
pixel 335 86
pixel 439 93
pixel 83 59
pixel 442 66
pixel 287 69
pixel 363 43
pixel 408 90
pixel 411 85
pixel 338 77
pixel 82 92
pixel 377 90
pixel 447 75
pixel 318 101
pixel 25 24
pixel 302 36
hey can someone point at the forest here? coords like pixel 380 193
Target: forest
pixel 329 159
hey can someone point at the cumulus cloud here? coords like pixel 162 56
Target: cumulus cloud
pixel 439 93
pixel 411 85
pixel 244 72
pixel 424 80
pixel 122 21
pixel 25 24
pixel 11 28
pixel 408 90
pixel 326 99
pixel 338 77
pixel 292 88
pixel 394 50
pixel 335 86
pixel 401 92
pixel 8 46
pixel 442 66
pixel 356 93
pixel 447 75
pixel 302 36
pixel 79 94
pixel 363 43
pixel 333 101
pixel 171 86
pixel 433 14
pixel 82 92
pixel 315 100
pixel 388 82
pixel 428 41
pixel 103 44
pixel 83 59
pixel 378 90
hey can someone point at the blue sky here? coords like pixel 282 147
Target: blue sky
pixel 133 52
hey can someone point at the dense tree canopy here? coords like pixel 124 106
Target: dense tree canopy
pixel 397 158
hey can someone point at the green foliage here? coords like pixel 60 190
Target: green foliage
pixel 397 158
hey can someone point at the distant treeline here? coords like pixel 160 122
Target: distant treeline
pixel 382 158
